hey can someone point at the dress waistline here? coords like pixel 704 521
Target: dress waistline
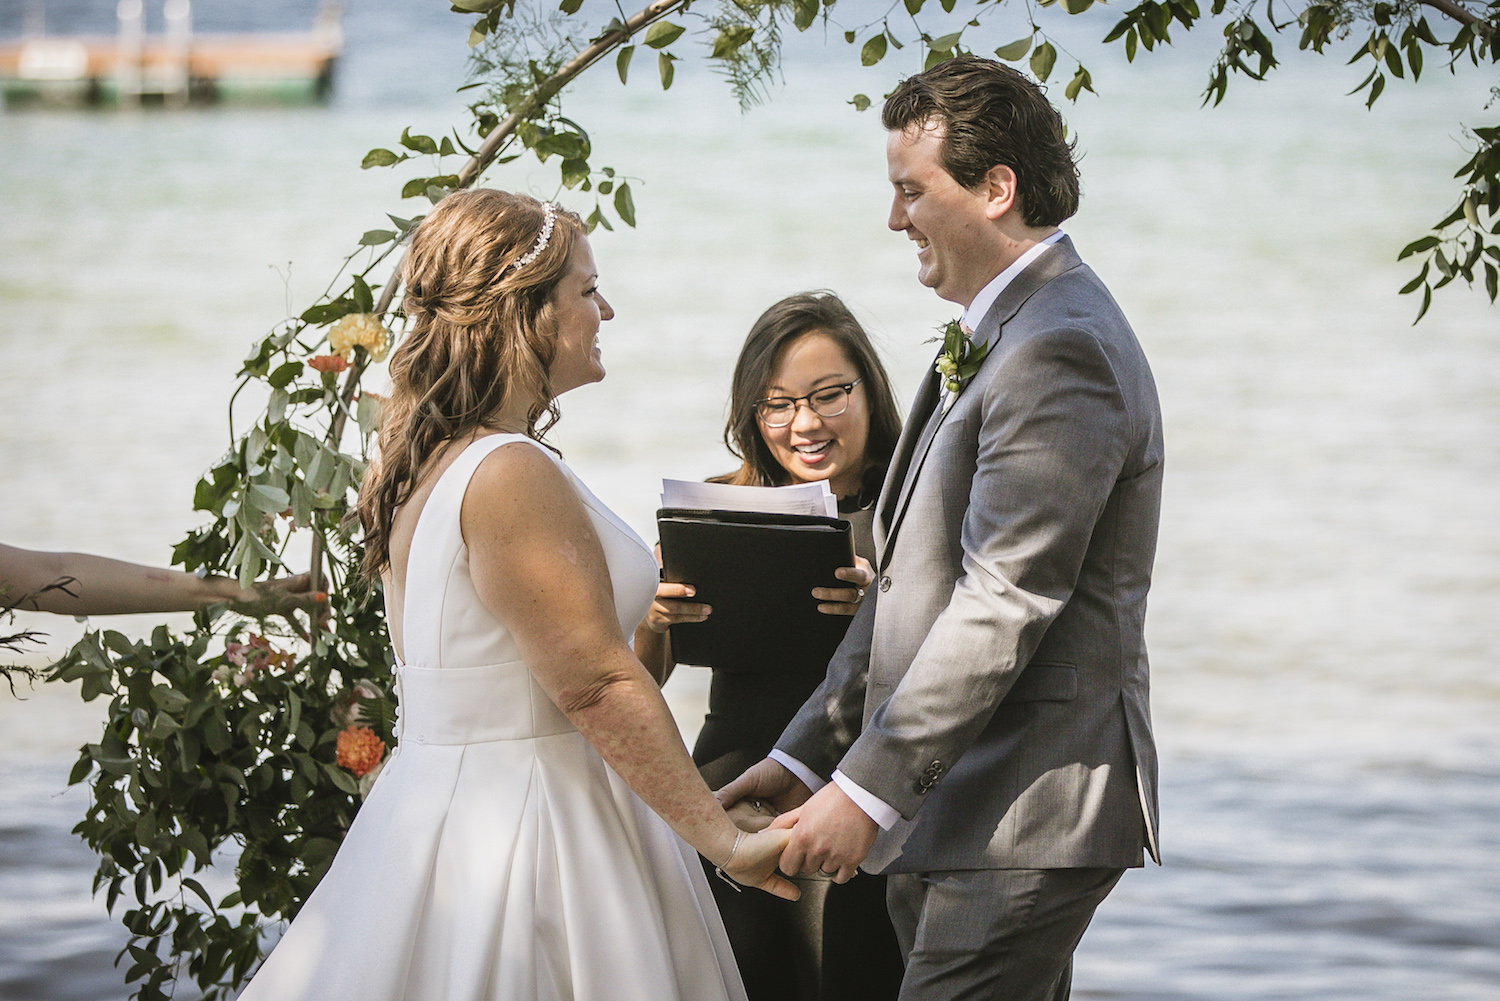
pixel 472 705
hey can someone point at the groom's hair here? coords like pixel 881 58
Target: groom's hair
pixel 991 116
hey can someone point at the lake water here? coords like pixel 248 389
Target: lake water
pixel 1325 625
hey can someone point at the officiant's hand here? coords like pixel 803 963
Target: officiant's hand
pixel 673 605
pixel 845 600
pixel 754 864
pixel 830 835
pixel 768 781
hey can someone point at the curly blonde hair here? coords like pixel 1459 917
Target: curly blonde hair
pixel 482 335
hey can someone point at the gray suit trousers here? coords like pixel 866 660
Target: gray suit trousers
pixel 993 934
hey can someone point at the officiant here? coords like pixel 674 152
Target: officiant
pixel 810 401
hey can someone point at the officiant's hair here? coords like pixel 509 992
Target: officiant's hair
pixel 820 312
pixel 992 116
pixel 478 275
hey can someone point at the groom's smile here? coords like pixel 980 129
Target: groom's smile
pixel 946 220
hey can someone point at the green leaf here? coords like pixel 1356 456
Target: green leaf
pixel 364 299
pixel 1075 6
pixel 860 102
pixel 625 204
pixel 1080 82
pixel 380 158
pixel 375 237
pixel 1426 301
pixel 368 413
pixel 663 33
pixel 1417 246
pixel 946 42
pixel 1491 280
pixel 873 51
pixel 168 698
pixel 284 374
pixel 730 40
pixel 269 499
pixel 570 6
pixel 622 62
pixel 914 7
pixel 664 62
pixel 414 187
pixel 1012 51
pixel 573 171
pixel 804 12
pixel 422 144
pixel 596 218
pixel 1042 61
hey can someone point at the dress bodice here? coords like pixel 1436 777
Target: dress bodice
pixel 464 680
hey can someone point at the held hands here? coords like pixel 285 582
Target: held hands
pixel 754 864
pixel 281 597
pixel 831 835
pixel 768 782
pixel 845 600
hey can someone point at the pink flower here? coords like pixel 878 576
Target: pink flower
pixel 328 363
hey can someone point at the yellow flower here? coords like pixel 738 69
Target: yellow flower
pixel 359 330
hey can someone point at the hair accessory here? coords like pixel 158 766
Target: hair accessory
pixel 549 216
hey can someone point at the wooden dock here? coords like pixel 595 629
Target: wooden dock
pixel 175 67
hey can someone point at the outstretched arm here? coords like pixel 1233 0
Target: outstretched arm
pixel 537 565
pixel 81 584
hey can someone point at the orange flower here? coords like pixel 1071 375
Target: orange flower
pixel 359 749
pixel 328 363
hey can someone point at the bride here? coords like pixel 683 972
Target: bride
pixel 534 834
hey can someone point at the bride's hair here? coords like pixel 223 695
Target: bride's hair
pixel 482 333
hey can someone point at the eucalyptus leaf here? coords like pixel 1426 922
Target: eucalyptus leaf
pixel 1012 51
pixel 622 62
pixel 625 204
pixel 873 51
pixel 663 33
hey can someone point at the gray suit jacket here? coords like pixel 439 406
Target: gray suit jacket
pixel 993 687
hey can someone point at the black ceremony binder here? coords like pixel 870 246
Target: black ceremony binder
pixel 757 571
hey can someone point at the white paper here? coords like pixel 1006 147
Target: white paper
pixel 800 498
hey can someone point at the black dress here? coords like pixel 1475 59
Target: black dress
pixel 836 942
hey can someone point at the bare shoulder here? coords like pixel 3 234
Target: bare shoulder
pixel 518 487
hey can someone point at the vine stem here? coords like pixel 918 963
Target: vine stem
pixel 467 175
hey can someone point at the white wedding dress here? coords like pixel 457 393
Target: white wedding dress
pixel 497 856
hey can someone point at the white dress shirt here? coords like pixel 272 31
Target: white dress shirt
pixel 877 809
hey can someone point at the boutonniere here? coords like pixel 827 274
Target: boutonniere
pixel 960 359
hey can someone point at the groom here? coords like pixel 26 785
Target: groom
pixel 983 735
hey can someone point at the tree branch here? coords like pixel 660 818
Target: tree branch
pixel 1461 15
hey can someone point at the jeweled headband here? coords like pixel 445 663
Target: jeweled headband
pixel 549 216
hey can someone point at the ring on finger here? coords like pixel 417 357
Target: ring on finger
pixel 861 592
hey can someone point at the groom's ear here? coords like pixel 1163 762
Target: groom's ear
pixel 1001 191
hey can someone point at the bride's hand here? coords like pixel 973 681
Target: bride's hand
pixel 754 864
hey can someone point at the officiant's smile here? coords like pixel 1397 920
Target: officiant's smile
pixel 815 418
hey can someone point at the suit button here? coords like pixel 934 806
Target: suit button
pixel 885 584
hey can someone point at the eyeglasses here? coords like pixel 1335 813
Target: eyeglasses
pixel 830 401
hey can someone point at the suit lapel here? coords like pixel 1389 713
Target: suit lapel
pixel 912 449
pixel 922 409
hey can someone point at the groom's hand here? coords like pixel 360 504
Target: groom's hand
pixel 830 834
pixel 766 780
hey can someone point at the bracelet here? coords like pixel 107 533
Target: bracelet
pixel 719 869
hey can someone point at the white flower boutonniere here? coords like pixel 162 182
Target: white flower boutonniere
pixel 960 359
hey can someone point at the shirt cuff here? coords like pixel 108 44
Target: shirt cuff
pixel 876 808
pixel 797 768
